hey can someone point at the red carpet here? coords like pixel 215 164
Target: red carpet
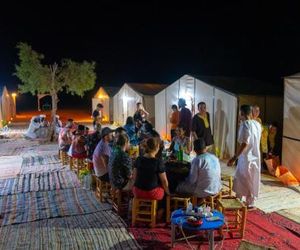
pixel 270 230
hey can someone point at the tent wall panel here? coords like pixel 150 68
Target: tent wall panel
pixel 149 104
pixel 291 129
pixel 160 114
pixel 225 117
pixel 292 108
pixel 291 156
pixel 274 110
pixel 6 108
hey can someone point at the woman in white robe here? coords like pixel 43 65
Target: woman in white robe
pixel 247 175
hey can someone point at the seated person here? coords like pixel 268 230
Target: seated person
pixel 205 175
pixel 35 124
pixel 143 144
pixel 120 164
pixel 180 140
pixel 92 141
pixel 131 130
pixel 149 174
pixel 274 140
pixel 78 149
pixel 65 138
pixel 101 155
pixel 58 125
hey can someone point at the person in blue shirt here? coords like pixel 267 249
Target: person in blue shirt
pixel 131 130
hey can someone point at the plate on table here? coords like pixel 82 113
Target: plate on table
pixel 194 221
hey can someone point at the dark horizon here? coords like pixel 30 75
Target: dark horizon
pixel 153 42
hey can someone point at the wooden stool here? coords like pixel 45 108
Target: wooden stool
pixel 71 162
pixel 120 201
pixel 227 183
pixel 101 188
pixel 78 164
pixel 144 210
pixel 64 158
pixel 175 202
pixel 209 200
pixel 232 207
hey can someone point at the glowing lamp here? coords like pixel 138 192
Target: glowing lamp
pixel 14 95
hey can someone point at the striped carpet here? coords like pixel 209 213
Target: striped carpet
pixel 40 160
pixel 39 182
pixel 32 206
pixel 101 230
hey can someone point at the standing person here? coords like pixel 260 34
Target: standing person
pixel 247 176
pixel 256 113
pixel 130 130
pixel 185 117
pixel 201 125
pixel 174 120
pixel 97 115
pixel 140 114
pixel 101 155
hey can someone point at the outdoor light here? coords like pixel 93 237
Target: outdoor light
pixel 14 95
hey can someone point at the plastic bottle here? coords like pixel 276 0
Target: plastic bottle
pixel 180 154
pixel 189 208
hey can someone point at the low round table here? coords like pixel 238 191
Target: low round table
pixel 178 219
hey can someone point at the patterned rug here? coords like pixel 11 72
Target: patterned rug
pixel 39 182
pixel 40 160
pixel 40 164
pixel 32 206
pixel 101 230
pixel 10 166
pixel 261 229
pixel 15 147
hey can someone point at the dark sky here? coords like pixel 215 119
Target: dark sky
pixel 151 42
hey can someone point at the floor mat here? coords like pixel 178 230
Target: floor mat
pixel 46 181
pixel 101 230
pixel 32 206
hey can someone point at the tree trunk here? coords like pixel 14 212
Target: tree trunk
pixel 54 98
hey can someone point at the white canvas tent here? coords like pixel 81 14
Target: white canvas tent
pixel 220 104
pixel 7 106
pixel 129 95
pixel 291 127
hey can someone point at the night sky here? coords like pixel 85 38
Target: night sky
pixel 151 42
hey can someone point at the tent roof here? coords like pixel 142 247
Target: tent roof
pixel 147 88
pixel 297 75
pixel 110 91
pixel 241 85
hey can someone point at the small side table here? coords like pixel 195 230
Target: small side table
pixel 178 219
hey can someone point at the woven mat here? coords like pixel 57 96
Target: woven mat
pixel 10 166
pixel 32 206
pixel 39 182
pixel 101 230
pixel 40 164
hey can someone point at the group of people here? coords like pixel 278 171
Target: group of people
pixel 39 127
pixel 144 173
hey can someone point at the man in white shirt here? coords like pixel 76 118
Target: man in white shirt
pixel 247 176
pixel 205 175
